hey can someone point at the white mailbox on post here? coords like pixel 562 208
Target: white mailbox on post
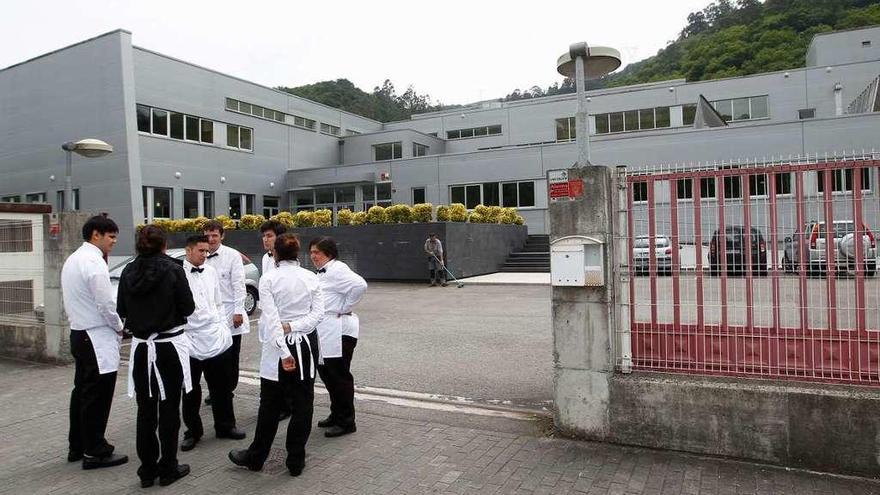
pixel 577 261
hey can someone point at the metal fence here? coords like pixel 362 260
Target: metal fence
pixel 753 269
pixel 21 269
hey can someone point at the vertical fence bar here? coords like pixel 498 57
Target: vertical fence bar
pixel 830 263
pixel 721 251
pixel 673 218
pixel 631 234
pixel 859 235
pixel 652 253
pixel 802 241
pixel 698 253
pixel 747 256
pixel 779 338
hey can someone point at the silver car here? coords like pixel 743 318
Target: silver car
pixel 662 252
pixel 812 240
pixel 251 278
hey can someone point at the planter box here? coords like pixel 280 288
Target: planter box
pixel 394 251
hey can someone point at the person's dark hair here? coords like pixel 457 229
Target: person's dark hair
pixel 432 234
pixel 100 223
pixel 195 239
pixel 212 225
pixel 286 247
pixel 273 225
pixel 151 240
pixel 326 245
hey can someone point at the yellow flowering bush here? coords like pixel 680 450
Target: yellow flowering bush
pixel 486 214
pixel 228 223
pixel 322 218
pixel 422 212
pixel 376 215
pixel 284 217
pixel 344 217
pixel 510 216
pixel 251 222
pixel 399 214
pixel 304 219
pixel 359 218
pixel 457 213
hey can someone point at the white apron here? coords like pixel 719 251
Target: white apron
pixel 105 342
pixel 330 332
pixel 181 345
pixel 271 356
pixel 207 343
pixel 229 312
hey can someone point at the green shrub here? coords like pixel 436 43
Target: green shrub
pixel 359 218
pixel 228 223
pixel 251 222
pixel 304 219
pixel 511 217
pixel 167 225
pixel 322 218
pixel 442 213
pixel 284 217
pixel 457 213
pixel 344 217
pixel 399 214
pixel 376 215
pixel 422 212
pixel 486 214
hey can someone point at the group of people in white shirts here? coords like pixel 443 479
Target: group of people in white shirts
pixel 187 320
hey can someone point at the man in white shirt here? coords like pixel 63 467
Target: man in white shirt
pixel 338 333
pixel 95 335
pixel 210 349
pixel 269 231
pixel 436 261
pixel 228 264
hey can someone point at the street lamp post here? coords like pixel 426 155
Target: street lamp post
pixel 585 62
pixel 89 148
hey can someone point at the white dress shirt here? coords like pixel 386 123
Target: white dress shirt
pixel 268 264
pixel 89 303
pixel 205 328
pixel 230 269
pixel 288 294
pixel 342 289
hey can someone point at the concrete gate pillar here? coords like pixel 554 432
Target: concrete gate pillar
pixel 58 246
pixel 583 317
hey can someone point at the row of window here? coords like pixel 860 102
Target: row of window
pixel 393 151
pixel 176 125
pixel 330 129
pixel 41 197
pixel 520 194
pixel 159 203
pixel 489 130
pixel 255 110
pixel 841 182
pixel 343 197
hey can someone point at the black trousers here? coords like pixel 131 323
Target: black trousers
pixel 302 397
pixel 337 378
pixel 153 413
pixel 220 375
pixel 236 353
pixel 90 399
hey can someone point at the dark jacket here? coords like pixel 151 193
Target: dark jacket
pixel 153 295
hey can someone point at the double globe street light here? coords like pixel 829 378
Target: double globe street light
pixel 89 148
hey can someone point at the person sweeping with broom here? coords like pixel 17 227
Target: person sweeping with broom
pixel 434 250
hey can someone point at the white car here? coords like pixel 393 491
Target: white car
pixel 251 278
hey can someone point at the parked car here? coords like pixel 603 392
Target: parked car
pixel 812 239
pixel 735 251
pixel 662 251
pixel 251 278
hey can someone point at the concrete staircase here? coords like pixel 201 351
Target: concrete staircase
pixel 534 257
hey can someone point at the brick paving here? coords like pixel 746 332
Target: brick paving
pixel 386 455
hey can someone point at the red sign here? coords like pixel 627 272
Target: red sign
pixel 575 188
pixel 559 190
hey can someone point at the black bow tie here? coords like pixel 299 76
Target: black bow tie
pixel 322 270
pixel 212 255
pixel 196 270
pixel 270 254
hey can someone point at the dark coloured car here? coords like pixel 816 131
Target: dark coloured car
pixel 736 254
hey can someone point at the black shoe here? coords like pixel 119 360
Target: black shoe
pixel 338 431
pixel 296 469
pixel 73 456
pixel 148 482
pixel 104 461
pixel 233 433
pixel 189 443
pixel 208 400
pixel 179 472
pixel 283 415
pixel 326 422
pixel 242 457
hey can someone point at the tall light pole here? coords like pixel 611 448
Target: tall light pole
pixel 89 148
pixel 584 62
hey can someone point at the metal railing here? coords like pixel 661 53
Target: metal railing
pixel 21 269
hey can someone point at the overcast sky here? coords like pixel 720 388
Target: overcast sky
pixel 455 51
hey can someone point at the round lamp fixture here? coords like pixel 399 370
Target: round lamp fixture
pixel 222 179
pixel 52 178
pixel 271 185
pixel 599 60
pixel 177 175
pixel 89 148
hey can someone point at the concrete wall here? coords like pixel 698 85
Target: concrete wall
pixel 844 46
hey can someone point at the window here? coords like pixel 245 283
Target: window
pixel 198 204
pixel 526 194
pixel 231 104
pixel 707 187
pixel 491 194
pixel 16 236
pixel 59 200
pixel 688 113
pixel 472 196
pixel 632 120
pixel 324 197
pixel 255 110
pixel 842 180
pixel 419 149
pixel 738 109
pixel 602 123
pixel 383 194
pixel 160 122
pixel 239 137
pixel 509 195
pixel 12 198
pixel 270 206
pixel 143 118
pixel 565 129
pixel 157 203
pixel 330 129
pixel 177 125
pixel 387 151
pixel 806 113
pixel 685 189
pixel 352 132
pixel 615 122
pixel 303 200
pixel 345 195
pixel 192 128
pixel 207 128
pixel 418 195
pixel 490 130
pixel 35 198
pixel 240 204
pixel 758 185
pixel 304 122
pixel 783 183
pixel 640 192
pixel 732 187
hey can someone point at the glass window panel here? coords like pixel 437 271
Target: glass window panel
pixel 190 203
pixel 466 133
pixel 418 195
pixel 207 131
pixel 783 183
pixel 646 118
pixel 688 114
pixel 209 204
pixel 246 139
pixel 143 118
pixel 419 149
pixel 491 195
pixel 453 134
pixel 398 150
pixel 741 109
pixel 244 107
pixel 494 129
pixel 279 116
pixel 732 188
pixel 368 192
pixel 661 117
pixel 160 122
pixel 161 202
pixel 757 185
pixel 257 111
pixel 562 130
pixel 231 104
pixel 526 194
pixel 324 196
pixel 192 128
pixel 509 195
pixel 760 107
pixel 707 187
pixel 472 196
pixel 631 120
pixel 724 108
pixel 270 206
pixel 602 123
pixel 481 131
pixel 640 191
pixel 457 194
pixel 176 125
pixel 235 205
pixel 383 191
pixel 616 121
pixel 232 136
pixel 345 194
pixel 685 189
pixel 301 198
pixel 249 204
pixel 383 151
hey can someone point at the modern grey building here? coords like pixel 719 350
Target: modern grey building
pixel 191 141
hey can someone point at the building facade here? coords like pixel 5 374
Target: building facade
pixel 190 141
